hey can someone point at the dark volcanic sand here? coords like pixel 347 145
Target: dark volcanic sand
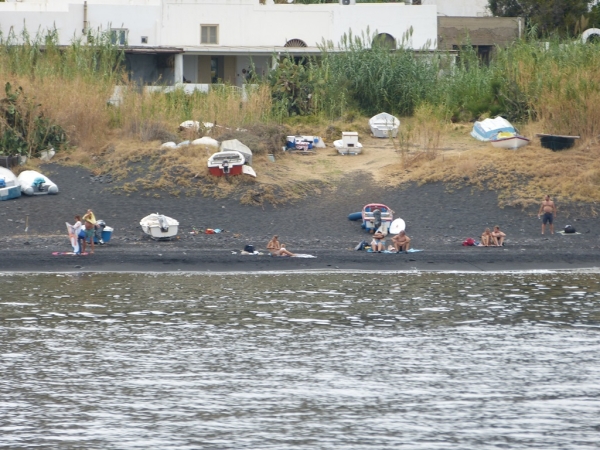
pixel 437 221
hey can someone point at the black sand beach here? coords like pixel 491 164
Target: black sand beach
pixel 438 220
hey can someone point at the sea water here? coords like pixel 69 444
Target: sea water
pixel 300 360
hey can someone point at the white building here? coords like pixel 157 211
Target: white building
pixel 211 41
pixel 460 8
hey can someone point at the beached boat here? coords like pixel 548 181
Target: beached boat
pixel 233 145
pixel 488 129
pixel 34 183
pixel 349 144
pixel 556 142
pixel 509 141
pixel 303 143
pixel 384 125
pixel 9 186
pixel 159 226
pixel 370 217
pixel 226 163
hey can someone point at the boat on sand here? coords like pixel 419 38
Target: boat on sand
pixel 509 141
pixel 159 226
pixel 384 125
pixel 9 186
pixel 377 216
pixel 34 183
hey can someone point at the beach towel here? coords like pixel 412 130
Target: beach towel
pixel 410 250
pixel 69 254
pixel 73 237
pixel 89 217
pixel 303 255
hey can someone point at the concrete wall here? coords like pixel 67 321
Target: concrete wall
pixel 481 31
pixel 460 8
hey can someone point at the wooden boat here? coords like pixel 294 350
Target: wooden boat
pixel 556 142
pixel 510 142
pixel 384 125
pixel 34 183
pixel 226 163
pixel 9 186
pixel 369 217
pixel 159 226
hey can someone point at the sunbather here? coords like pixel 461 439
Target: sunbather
pixel 401 242
pixel 498 236
pixel 378 242
pixel 487 239
pixel 276 249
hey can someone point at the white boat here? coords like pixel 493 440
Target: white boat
pixel 159 226
pixel 226 163
pixel 384 125
pixel 234 145
pixel 488 129
pixel 344 149
pixel 9 186
pixel 510 142
pixel 349 144
pixel 34 183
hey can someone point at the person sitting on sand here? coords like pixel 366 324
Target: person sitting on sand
pixel 401 242
pixel 498 236
pixel 487 238
pixel 378 242
pixel 276 249
pixel 376 219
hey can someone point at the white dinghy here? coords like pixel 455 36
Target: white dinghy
pixel 34 183
pixel 384 125
pixel 349 144
pixel 159 226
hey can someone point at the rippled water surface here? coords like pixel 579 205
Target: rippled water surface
pixel 307 361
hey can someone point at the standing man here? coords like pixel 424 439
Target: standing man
pixel 548 208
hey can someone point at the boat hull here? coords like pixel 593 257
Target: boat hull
pixel 10 186
pixel 28 179
pixel 511 143
pixel 387 217
pixel 159 226
pixel 355 149
pixel 557 142
pixel 384 125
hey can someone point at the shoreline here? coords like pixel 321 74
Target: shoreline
pixel 438 219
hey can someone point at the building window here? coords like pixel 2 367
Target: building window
pixel 144 39
pixel 118 36
pixel 209 34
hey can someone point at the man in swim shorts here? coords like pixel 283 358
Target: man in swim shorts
pixel 401 242
pixel 548 208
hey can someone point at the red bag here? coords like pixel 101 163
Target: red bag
pixel 468 242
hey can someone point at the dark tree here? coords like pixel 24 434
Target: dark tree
pixel 548 16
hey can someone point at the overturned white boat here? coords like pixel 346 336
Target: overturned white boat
pixel 349 144
pixel 9 186
pixel 34 183
pixel 384 125
pixel 159 226
pixel 488 129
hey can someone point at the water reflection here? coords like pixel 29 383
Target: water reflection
pixel 358 360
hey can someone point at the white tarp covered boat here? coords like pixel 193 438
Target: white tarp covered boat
pixel 34 183
pixel 9 186
pixel 487 129
pixel 159 226
pixel 226 163
pixel 384 125
pixel 234 145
